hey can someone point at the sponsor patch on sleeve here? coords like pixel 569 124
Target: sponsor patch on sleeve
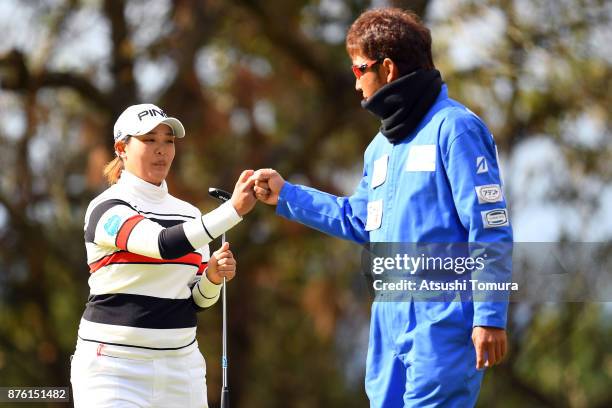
pixel 495 218
pixel 489 193
pixel 481 165
pixel 112 225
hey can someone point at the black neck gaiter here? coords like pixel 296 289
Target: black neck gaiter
pixel 401 104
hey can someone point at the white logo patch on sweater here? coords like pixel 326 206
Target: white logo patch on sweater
pixel 421 158
pixel 481 165
pixel 495 218
pixel 489 193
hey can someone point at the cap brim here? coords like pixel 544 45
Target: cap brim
pixel 176 125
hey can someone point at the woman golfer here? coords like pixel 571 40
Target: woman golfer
pixel 150 273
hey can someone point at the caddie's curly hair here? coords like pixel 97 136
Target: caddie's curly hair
pixel 391 33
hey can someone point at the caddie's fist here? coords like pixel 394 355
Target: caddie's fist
pixel 268 184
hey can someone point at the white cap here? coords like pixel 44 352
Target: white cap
pixel 140 119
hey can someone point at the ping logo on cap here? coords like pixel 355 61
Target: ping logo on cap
pixel 151 112
pixel 139 119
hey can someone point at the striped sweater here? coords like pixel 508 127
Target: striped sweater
pixel 147 251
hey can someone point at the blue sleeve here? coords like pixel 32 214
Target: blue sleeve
pixel 473 172
pixel 342 217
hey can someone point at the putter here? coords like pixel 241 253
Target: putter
pixel 223 196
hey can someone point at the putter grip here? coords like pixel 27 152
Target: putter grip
pixel 225 397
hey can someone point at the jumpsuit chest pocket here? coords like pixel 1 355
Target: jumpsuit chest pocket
pixel 379 173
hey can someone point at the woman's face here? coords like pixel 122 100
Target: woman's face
pixel 150 156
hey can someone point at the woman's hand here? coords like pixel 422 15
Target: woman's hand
pixel 221 264
pixel 243 197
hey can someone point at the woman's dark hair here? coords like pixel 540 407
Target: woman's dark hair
pixel 391 33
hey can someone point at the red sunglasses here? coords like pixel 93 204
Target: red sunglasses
pixel 359 70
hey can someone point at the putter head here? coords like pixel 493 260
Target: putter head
pixel 219 194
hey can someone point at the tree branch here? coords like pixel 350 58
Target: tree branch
pixel 16 76
pixel 81 85
pixel 122 57
pixel 285 37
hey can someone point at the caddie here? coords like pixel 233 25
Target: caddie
pixel 431 174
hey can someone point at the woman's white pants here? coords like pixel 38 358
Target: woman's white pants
pixel 106 376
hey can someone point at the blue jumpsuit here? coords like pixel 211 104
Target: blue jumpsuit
pixel 426 188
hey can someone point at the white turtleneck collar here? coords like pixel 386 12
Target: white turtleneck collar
pixel 142 188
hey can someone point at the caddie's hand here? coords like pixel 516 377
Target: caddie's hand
pixel 268 184
pixel 490 344
pixel 243 198
pixel 221 264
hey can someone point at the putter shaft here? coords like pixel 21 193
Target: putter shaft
pixel 224 362
pixel 223 196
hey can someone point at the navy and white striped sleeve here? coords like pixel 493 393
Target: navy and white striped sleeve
pixel 115 223
pixel 203 292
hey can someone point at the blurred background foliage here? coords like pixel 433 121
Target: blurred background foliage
pixel 268 84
